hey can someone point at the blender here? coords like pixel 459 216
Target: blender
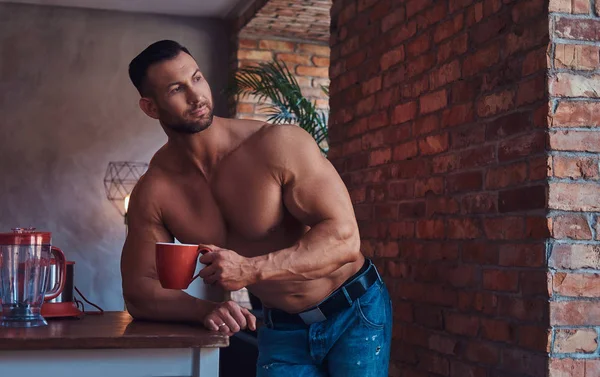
pixel 25 258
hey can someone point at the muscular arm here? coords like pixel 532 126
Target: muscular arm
pixel 314 193
pixel 144 296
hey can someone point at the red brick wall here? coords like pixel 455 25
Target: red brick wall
pixel 574 195
pixel 309 62
pixel 438 126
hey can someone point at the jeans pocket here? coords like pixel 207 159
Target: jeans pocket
pixel 371 307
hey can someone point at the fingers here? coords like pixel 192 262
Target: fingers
pixel 211 325
pixel 230 318
pixel 250 319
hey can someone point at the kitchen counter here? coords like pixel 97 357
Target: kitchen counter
pixel 111 344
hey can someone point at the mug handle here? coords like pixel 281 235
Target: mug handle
pixel 201 250
pixel 61 264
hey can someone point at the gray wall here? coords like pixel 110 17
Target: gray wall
pixel 67 108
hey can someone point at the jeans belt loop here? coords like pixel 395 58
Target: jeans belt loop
pixel 347 295
pixel 377 272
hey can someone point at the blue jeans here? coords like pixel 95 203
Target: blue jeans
pixel 352 343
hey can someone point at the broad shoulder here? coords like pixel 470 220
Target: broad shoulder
pixel 285 143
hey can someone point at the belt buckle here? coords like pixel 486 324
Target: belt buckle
pixel 312 316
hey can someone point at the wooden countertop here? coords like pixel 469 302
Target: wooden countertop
pixel 109 330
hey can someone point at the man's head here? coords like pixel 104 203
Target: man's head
pixel 172 87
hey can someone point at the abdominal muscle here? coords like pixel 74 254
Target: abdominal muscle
pixel 296 296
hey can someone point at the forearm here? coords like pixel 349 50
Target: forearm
pixel 323 249
pixel 149 301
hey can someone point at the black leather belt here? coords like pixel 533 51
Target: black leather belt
pixel 342 298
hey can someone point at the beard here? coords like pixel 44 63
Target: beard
pixel 189 124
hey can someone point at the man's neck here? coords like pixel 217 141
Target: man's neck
pixel 203 150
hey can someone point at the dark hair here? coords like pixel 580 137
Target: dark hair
pixel 155 53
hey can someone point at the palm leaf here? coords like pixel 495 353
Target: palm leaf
pixel 280 96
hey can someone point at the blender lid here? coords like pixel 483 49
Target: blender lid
pixel 25 236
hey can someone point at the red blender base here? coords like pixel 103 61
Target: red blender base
pixel 60 309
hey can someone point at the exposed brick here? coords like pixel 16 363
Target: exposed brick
pixel 313 49
pixel 479 203
pixel 534 337
pixel 430 229
pixel 418 46
pixel 575 167
pixel 455 46
pixel 379 157
pixel 504 228
pixel 570 6
pixel 463 229
pixel 394 18
pixel 404 112
pixel 490 28
pixel 574 196
pixel 460 324
pixel 578 285
pixel 574 313
pixel 272 45
pixel 312 71
pixel 294 58
pixel 576 114
pixel 482 352
pixel 575 256
pixel 574 85
pixel 522 199
pixel 441 205
pixel 572 227
pixel 464 137
pixel 497 330
pixel 526 145
pixel 433 185
pixel 415 6
pixel 501 280
pixel 567 367
pixel 392 58
pixel 480 60
pixel 531 90
pixel 505 176
pixel 248 44
pixel 433 101
pixel 535 61
pixel 523 38
pixel 468 181
pixel 577 57
pixel 578 29
pixel 479 252
pixel 448 28
pixel 445 74
pixel 522 255
pixel 255 55
pixel 495 103
pixel 405 151
pixel 524 11
pixel 458 115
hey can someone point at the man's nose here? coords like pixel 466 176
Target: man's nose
pixel 194 96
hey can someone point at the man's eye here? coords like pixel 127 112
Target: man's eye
pixel 197 78
pixel 176 89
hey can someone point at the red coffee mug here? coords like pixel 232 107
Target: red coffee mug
pixel 176 263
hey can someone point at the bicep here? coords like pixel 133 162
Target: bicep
pixel 145 229
pixel 313 191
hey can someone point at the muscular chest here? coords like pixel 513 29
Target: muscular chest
pixel 239 203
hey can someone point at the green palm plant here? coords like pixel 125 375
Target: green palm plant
pixel 277 90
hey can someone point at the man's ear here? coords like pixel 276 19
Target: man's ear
pixel 149 107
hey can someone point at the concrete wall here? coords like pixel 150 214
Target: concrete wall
pixel 67 109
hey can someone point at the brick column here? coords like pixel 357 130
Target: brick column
pixel 438 126
pixel 574 197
